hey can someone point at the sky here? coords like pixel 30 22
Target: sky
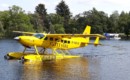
pixel 75 6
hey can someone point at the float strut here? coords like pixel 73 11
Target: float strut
pixel 37 52
pixel 24 49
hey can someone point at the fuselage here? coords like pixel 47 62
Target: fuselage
pixel 53 42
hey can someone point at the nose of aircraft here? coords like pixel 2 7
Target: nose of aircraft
pixel 17 38
pixel 24 40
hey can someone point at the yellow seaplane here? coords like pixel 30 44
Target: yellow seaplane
pixel 58 43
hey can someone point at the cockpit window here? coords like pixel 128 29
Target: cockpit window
pixel 38 35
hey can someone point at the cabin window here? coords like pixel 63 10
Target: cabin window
pixel 38 35
pixel 68 41
pixel 65 41
pixel 61 40
pixel 56 39
pixel 51 39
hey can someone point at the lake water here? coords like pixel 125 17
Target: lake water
pixel 110 61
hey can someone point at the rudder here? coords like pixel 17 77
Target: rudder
pixel 87 31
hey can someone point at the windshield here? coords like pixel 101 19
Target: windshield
pixel 38 35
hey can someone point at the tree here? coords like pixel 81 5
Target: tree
pixel 80 24
pixel 34 21
pixel 18 18
pixel 15 19
pixel 97 19
pixel 59 28
pixel 56 23
pixel 124 23
pixel 1 29
pixel 55 18
pixel 63 10
pixel 4 18
pixel 42 16
pixel 113 22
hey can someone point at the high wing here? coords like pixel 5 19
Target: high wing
pixel 75 35
pixel 62 35
pixel 86 33
pixel 25 33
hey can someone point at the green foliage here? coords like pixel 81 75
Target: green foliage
pixel 55 18
pixel 113 22
pixel 59 28
pixel 41 16
pixel 63 10
pixel 4 17
pixel 96 19
pixel 40 9
pixel 15 19
pixel 124 23
pixel 1 29
pixel 55 21
pixel 72 27
pixel 62 22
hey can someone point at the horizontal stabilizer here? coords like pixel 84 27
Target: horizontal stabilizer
pixel 95 43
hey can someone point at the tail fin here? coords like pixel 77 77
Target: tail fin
pixel 87 31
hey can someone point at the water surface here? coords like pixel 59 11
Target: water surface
pixel 110 61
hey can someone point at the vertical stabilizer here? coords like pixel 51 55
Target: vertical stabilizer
pixel 87 31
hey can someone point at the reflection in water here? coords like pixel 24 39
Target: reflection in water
pixel 94 67
pixel 67 69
